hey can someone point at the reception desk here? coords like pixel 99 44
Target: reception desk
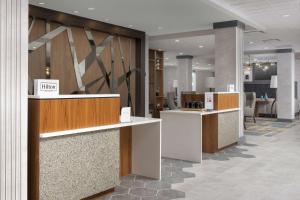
pixel 188 133
pixel 78 148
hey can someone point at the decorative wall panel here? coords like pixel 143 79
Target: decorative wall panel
pixel 83 60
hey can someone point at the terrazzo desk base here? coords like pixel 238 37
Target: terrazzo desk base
pixel 81 163
pixel 78 166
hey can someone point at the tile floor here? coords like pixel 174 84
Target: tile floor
pixel 265 165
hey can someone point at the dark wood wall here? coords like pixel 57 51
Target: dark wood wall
pixel 106 74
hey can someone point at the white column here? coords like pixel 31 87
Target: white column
pixel 286 86
pixel 13 99
pixel 184 74
pixel 229 51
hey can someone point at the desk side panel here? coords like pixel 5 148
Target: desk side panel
pixel 146 150
pixel 33 149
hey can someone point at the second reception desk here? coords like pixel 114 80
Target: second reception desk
pixel 78 148
pixel 186 134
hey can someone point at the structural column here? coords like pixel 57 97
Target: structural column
pixel 286 84
pixel 13 99
pixel 229 51
pixel 184 74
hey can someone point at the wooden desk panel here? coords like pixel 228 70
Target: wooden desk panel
pixel 125 151
pixel 66 114
pixel 226 101
pixel 47 115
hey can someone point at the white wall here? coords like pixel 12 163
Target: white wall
pixel 286 86
pixel 13 99
pixel 201 77
pixel 170 74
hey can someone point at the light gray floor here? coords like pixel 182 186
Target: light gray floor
pixel 263 167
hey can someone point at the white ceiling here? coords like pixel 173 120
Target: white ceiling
pixel 195 46
pixel 280 19
pixel 152 16
pixel 157 17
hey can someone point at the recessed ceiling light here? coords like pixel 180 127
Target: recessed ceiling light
pixel 201 46
pixel 177 41
pixel 251 42
pixel 34 47
pixel 167 58
pixel 91 8
pixel 41 3
pixel 160 28
pixel 181 53
pixel 75 11
pixel 286 15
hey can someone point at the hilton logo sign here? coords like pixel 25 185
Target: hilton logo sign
pixel 46 87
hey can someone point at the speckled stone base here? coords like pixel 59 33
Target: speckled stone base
pixel 78 166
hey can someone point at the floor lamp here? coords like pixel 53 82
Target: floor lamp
pixel 274 84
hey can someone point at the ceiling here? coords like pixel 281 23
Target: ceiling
pixel 279 19
pixel 195 46
pixel 152 16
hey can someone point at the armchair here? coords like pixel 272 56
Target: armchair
pixel 249 105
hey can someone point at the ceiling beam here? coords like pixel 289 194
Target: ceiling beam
pixel 182 35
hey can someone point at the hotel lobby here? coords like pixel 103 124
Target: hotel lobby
pixel 149 100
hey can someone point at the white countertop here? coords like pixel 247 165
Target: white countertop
pixel 134 122
pixel 74 96
pixel 199 112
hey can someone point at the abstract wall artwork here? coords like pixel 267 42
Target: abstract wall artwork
pixel 83 60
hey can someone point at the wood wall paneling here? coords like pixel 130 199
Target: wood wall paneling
pixel 188 97
pixel 81 43
pixel 226 101
pixel 62 67
pixel 210 133
pixel 125 151
pixel 62 64
pixel 37 58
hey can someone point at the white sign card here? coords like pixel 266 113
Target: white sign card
pixel 209 100
pixel 230 87
pixel 46 87
pixel 125 114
